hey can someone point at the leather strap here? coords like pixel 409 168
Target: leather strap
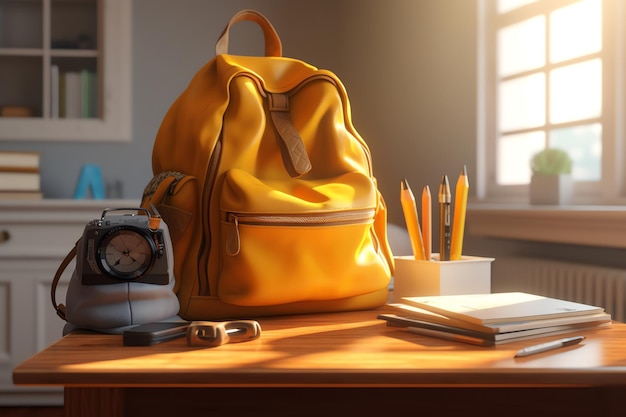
pixel 273 46
pixel 295 157
pixel 151 192
pixel 60 309
pixel 294 154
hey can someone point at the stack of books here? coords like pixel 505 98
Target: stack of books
pixel 74 94
pixel 491 319
pixel 19 175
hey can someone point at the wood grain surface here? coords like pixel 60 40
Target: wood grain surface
pixel 352 349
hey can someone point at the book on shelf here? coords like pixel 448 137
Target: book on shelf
pixel 19 181
pixel 54 91
pixel 61 97
pixel 76 94
pixel 89 90
pixel 21 195
pixel 72 95
pixel 504 307
pixel 19 161
pixel 489 338
pixel 19 174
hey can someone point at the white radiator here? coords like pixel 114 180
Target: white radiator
pixel 589 284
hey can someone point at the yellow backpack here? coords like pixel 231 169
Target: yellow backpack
pixel 268 190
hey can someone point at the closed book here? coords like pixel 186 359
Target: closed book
pixel 19 161
pixel 489 338
pixel 21 195
pixel 93 94
pixel 417 313
pixel 73 95
pixel 19 181
pixel 54 91
pixel 501 307
pixel 62 91
pixel 87 94
pixel 484 342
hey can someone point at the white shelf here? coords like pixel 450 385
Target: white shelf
pixel 111 60
pixel 37 235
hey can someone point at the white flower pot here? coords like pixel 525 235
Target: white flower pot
pixel 551 189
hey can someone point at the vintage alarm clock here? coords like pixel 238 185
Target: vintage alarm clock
pixel 125 247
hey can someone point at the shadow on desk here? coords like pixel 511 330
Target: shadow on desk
pixel 347 364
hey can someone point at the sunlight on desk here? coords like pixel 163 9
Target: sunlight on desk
pixel 343 348
pixel 370 343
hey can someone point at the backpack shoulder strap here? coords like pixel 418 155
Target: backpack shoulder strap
pixel 60 308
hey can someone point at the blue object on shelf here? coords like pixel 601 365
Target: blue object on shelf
pixel 90 179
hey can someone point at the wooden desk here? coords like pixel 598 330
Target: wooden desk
pixel 333 364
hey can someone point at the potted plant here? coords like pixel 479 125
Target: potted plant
pixel 551 181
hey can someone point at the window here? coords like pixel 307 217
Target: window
pixel 548 79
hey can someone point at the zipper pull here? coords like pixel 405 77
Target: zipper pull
pixel 232 241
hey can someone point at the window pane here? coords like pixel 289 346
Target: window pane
pixel 521 103
pixel 513 157
pixel 576 91
pixel 505 6
pixel 576 30
pixel 521 46
pixel 584 145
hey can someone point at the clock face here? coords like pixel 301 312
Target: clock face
pixel 126 253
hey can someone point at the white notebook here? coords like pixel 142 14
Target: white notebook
pixel 501 307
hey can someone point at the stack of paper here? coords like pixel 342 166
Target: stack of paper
pixel 19 175
pixel 489 319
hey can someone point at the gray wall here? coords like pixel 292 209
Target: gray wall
pixel 409 67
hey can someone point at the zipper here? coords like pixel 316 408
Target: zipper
pixel 205 244
pixel 233 241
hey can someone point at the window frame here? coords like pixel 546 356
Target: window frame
pixel 610 189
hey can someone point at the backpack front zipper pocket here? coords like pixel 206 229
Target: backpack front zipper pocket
pixel 233 241
pixel 305 240
pixel 271 259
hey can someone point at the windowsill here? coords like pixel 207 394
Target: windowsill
pixel 603 226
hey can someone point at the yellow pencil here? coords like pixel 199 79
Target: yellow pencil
pixel 460 208
pixel 410 216
pixel 445 201
pixel 427 222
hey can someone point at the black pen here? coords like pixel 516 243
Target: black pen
pixel 544 347
pixel 445 235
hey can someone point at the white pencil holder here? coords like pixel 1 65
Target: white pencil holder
pixel 415 278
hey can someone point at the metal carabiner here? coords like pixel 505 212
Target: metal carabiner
pixel 217 333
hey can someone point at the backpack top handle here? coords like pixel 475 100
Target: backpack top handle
pixel 273 46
